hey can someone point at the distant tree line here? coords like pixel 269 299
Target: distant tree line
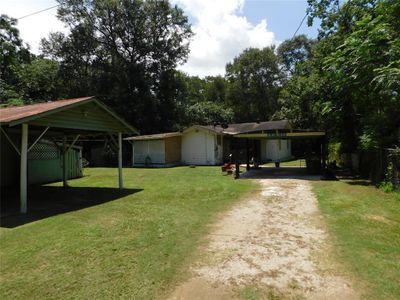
pixel 126 52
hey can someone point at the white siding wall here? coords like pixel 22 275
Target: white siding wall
pixel 198 148
pixel 155 149
pixel 275 150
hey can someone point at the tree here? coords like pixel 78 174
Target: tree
pixel 254 81
pixel 208 113
pixel 294 51
pixel 13 54
pixel 122 51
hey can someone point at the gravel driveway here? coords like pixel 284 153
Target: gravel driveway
pixel 275 240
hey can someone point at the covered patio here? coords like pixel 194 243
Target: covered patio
pixel 62 122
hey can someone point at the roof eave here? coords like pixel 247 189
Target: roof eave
pixel 48 112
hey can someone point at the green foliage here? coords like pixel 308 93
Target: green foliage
pixel 334 150
pixel 12 102
pixel 349 85
pixel 207 113
pixel 254 82
pixel 294 51
pixel 13 55
pixel 387 186
pixel 392 178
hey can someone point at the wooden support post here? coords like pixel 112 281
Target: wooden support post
pixel 237 166
pixel 64 163
pixel 24 169
pixel 323 152
pixel 247 155
pixel 120 161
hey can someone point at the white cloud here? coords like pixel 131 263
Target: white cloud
pixel 221 33
pixel 33 28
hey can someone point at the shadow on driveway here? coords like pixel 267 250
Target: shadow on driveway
pixel 279 173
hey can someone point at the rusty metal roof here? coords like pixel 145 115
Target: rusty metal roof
pixel 158 136
pixel 10 114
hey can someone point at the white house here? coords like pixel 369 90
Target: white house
pixel 276 150
pixel 202 146
pixel 211 145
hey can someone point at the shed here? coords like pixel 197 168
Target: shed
pixel 62 122
pixel 159 150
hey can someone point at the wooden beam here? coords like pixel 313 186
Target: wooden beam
pixel 73 142
pixel 120 182
pixel 37 140
pixel 24 169
pixel 10 141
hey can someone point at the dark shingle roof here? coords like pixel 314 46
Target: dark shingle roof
pixel 250 127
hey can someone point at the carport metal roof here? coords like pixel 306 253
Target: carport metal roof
pixel 71 117
pixel 85 113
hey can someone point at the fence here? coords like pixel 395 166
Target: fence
pixel 380 164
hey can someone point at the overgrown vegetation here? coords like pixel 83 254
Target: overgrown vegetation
pixel 365 226
pixel 133 247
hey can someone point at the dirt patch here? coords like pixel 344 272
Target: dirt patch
pixel 380 219
pixel 271 240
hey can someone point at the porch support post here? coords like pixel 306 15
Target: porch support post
pixel 237 166
pixel 64 158
pixel 247 155
pixel 120 161
pixel 323 152
pixel 24 169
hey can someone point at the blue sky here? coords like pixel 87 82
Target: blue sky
pixel 283 16
pixel 223 28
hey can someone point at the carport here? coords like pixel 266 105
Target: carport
pixel 290 134
pixel 63 122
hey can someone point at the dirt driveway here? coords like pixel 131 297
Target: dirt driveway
pixel 274 242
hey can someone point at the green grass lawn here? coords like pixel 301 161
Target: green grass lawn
pixel 135 246
pixel 290 163
pixel 366 225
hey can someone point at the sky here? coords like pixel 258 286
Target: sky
pixel 223 28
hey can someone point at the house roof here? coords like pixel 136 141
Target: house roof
pixel 232 129
pixel 40 111
pixel 154 136
pixel 239 128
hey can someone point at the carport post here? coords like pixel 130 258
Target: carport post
pixel 24 168
pixel 120 161
pixel 64 157
pixel 247 155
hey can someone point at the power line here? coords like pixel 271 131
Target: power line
pixel 301 23
pixel 37 12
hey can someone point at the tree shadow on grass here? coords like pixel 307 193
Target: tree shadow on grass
pixel 48 201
